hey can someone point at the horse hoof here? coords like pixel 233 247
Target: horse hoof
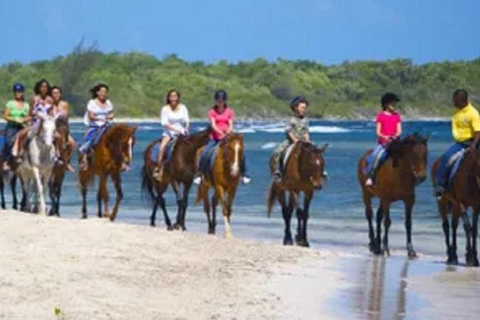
pixel 452 261
pixel 412 254
pixel 475 262
pixel 288 242
pixel 386 253
pixel 152 224
pixel 303 243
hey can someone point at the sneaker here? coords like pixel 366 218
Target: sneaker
pixel 277 176
pixel 246 179
pixel 369 182
pixel 125 167
pixel 157 174
pixel 6 167
pixel 438 193
pixel 197 180
pixel 325 174
pixel 70 168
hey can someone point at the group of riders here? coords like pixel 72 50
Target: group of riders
pixel 23 120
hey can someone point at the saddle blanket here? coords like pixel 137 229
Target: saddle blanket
pixel 208 160
pixel 168 151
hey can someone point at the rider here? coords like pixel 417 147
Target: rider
pixel 175 121
pixel 61 109
pixel 16 115
pixel 465 131
pixel 389 127
pixel 296 130
pixel 99 114
pixel 221 118
pixel 40 108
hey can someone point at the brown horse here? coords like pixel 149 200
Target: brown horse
pixel 224 179
pixel 463 193
pixel 396 180
pixel 114 148
pixel 303 172
pixel 59 170
pixel 12 177
pixel 179 171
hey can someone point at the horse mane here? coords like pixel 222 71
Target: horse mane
pixel 398 148
pixel 115 136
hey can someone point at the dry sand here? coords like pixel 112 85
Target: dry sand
pixel 94 269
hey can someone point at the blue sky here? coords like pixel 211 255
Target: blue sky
pixel 328 31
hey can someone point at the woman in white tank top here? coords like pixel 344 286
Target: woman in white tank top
pixel 175 122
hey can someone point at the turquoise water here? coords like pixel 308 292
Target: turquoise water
pixel 337 214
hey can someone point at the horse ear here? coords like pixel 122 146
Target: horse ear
pixel 134 128
pixel 323 147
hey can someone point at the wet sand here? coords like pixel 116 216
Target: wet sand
pixel 93 269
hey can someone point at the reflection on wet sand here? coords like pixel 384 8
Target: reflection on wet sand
pixel 398 288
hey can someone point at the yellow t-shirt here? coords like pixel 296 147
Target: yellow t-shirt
pixel 465 123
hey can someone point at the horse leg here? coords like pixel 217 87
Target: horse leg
pixel 453 253
pixel 186 191
pixel 214 212
pixel 178 195
pixel 220 195
pixel 2 191
pixel 287 217
pixel 117 183
pixel 25 198
pixel 408 226
pixel 166 218
pixel 468 238
pixel 208 212
pixel 153 216
pixel 59 196
pixel 39 185
pixel 229 201
pixel 51 193
pixel 306 209
pixel 378 248
pixel 367 200
pixel 387 222
pixel 101 193
pixel 475 236
pixel 13 187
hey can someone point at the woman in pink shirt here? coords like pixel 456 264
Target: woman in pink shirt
pixel 389 127
pixel 221 118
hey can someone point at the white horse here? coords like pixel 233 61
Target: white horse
pixel 37 164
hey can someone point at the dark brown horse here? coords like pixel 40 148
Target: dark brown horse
pixel 224 179
pixel 114 149
pixel 397 178
pixel 58 174
pixel 179 172
pixel 463 193
pixel 303 172
pixel 11 177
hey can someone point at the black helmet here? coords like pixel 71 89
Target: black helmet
pixel 297 100
pixel 389 98
pixel 221 95
pixel 18 87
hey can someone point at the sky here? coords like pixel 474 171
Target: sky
pixel 327 31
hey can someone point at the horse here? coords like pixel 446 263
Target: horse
pixel 58 174
pixel 37 164
pixel 179 171
pixel 404 169
pixel 463 193
pixel 303 173
pixel 11 177
pixel 224 178
pixel 113 148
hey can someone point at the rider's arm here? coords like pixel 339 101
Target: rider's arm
pixel 306 136
pixel 111 115
pixel 399 130
pixel 187 121
pixel 92 116
pixel 214 126
pixel 230 126
pixel 292 137
pixel 379 132
pixel 6 115
pixel 476 139
pixel 66 108
pixel 32 107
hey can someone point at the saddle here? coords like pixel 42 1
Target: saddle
pixel 208 160
pixel 285 156
pixel 168 151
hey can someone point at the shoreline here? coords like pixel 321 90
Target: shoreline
pixel 95 269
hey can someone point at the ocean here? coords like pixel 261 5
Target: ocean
pixel 337 215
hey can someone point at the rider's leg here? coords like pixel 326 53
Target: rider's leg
pixel 201 163
pixel 442 170
pixel 84 148
pixel 373 163
pixel 243 169
pixel 277 154
pixel 161 152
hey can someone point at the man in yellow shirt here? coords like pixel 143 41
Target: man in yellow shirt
pixel 465 131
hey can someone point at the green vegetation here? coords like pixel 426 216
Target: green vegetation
pixel 138 83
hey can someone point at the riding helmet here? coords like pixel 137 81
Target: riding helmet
pixel 18 87
pixel 221 95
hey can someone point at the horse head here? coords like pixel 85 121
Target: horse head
pixel 121 139
pixel 312 163
pixel 47 131
pixel 414 149
pixel 234 152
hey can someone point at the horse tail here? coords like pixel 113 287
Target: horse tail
pixel 147 185
pixel 272 197
pixel 202 193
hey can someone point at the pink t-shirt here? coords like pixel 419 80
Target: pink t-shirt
pixel 388 125
pixel 221 120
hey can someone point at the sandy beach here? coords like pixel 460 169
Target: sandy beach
pixel 92 269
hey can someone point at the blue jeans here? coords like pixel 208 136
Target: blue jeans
pixel 444 167
pixel 378 156
pixel 9 133
pixel 87 141
pixel 203 164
